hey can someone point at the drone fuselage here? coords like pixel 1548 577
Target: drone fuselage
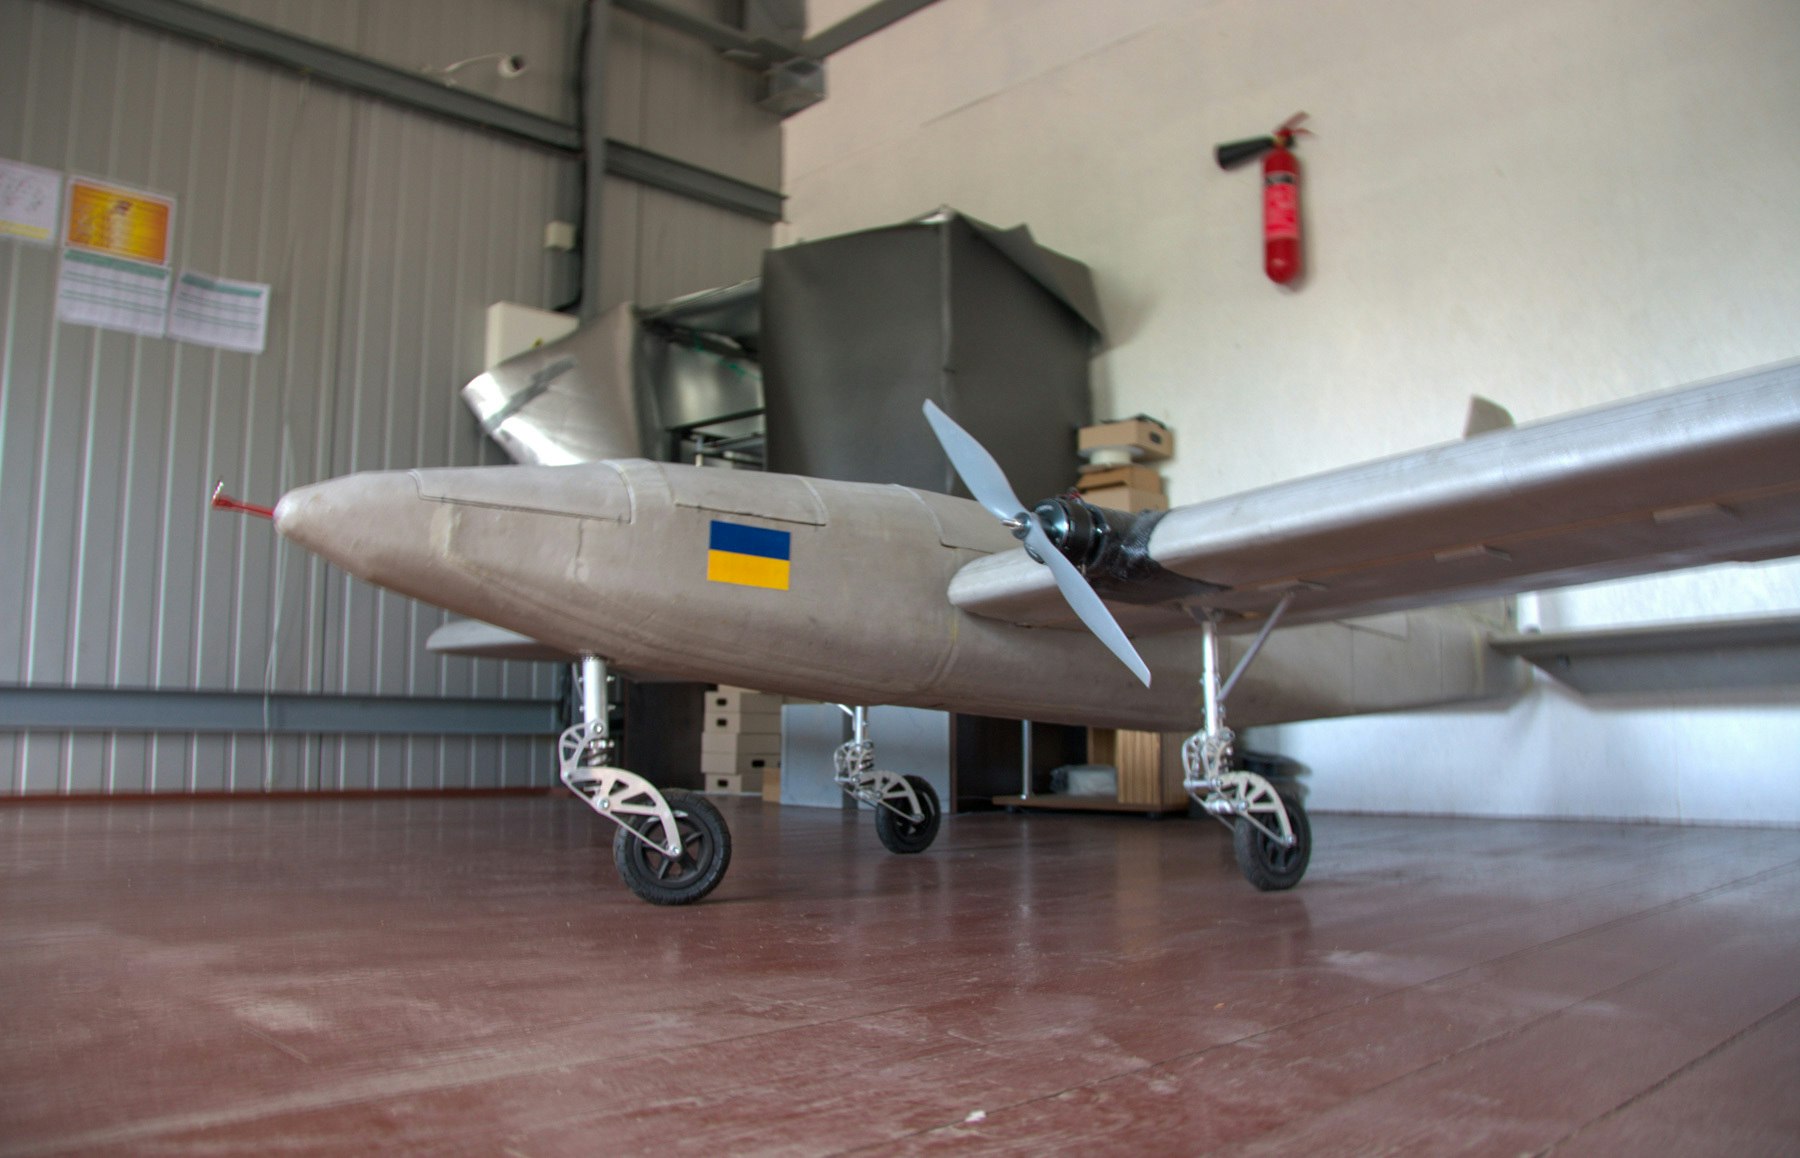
pixel 807 587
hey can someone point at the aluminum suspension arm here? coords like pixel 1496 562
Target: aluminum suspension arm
pixel 854 763
pixel 612 792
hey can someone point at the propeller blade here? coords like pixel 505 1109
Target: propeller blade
pixel 987 482
pixel 1087 606
pixel 974 465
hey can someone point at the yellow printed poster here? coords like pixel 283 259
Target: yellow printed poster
pixel 119 222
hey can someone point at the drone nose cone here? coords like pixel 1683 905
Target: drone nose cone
pixel 301 514
pixel 368 524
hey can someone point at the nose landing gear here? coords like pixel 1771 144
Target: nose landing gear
pixel 671 848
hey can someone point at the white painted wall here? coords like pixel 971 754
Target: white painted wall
pixel 1554 203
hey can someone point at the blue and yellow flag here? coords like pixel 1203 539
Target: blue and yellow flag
pixel 749 556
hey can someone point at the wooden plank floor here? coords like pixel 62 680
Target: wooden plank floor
pixel 468 976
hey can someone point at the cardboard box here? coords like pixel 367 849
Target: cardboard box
pixel 771 789
pixel 1097 475
pixel 733 720
pixel 738 743
pixel 1149 764
pixel 740 764
pixel 733 783
pixel 1145 437
pixel 1127 499
pixel 742 699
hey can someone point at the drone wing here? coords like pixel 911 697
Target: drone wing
pixel 1704 474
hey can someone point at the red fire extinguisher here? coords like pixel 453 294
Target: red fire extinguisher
pixel 1282 253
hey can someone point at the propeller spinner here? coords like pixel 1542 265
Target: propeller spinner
pixel 987 482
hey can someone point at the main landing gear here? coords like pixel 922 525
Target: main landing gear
pixel 907 814
pixel 671 848
pixel 1270 833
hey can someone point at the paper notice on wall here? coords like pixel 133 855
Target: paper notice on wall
pixel 211 311
pixel 119 222
pixel 110 292
pixel 30 199
pixel 115 265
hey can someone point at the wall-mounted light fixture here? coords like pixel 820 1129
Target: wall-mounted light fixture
pixel 506 64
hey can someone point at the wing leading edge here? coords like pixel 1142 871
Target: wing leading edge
pixel 1703 474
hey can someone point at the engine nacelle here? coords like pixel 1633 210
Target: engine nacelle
pixel 1112 550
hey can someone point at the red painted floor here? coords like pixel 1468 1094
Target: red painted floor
pixel 467 976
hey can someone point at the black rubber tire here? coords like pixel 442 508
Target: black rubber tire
pixel 903 836
pixel 1265 863
pixel 706 853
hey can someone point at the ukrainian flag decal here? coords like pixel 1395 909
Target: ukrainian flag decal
pixel 748 556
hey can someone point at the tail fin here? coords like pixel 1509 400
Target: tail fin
pixel 1485 415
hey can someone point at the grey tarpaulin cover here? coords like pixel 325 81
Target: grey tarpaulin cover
pixel 859 330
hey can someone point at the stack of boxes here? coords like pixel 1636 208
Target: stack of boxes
pixel 740 748
pixel 1114 475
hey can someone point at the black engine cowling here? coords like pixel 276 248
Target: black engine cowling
pixel 1112 550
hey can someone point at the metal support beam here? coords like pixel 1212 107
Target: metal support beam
pixel 344 69
pixel 851 29
pixel 763 52
pixel 691 181
pixel 419 92
pixel 793 73
pixel 783 21
pixel 756 51
pixel 156 711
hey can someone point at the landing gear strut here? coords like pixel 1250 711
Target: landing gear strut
pixel 1270 833
pixel 907 814
pixel 671 848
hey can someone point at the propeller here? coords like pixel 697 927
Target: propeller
pixel 987 482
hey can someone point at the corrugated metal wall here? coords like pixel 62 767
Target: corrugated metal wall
pixel 674 96
pixel 384 233
pixel 431 35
